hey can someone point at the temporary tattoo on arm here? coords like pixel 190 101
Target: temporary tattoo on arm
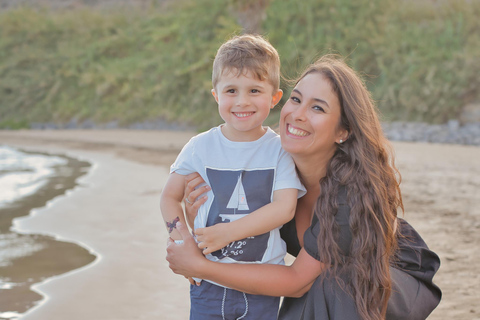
pixel 172 225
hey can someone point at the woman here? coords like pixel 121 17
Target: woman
pixel 355 257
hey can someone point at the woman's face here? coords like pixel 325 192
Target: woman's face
pixel 309 121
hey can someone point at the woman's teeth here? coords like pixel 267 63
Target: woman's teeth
pixel 297 132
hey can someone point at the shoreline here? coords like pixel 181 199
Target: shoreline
pixel 440 189
pixel 48 256
pixel 101 285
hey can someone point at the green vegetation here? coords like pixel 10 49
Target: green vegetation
pixel 420 59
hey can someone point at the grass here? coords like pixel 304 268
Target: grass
pixel 420 58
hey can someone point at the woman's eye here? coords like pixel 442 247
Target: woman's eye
pixel 318 108
pixel 295 99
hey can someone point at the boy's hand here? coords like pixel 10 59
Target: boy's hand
pixel 193 282
pixel 213 238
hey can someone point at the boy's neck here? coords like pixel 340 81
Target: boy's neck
pixel 237 136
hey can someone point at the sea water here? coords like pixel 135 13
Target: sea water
pixel 21 173
pixel 28 180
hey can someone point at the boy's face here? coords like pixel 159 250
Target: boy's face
pixel 244 102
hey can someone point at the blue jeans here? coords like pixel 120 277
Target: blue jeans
pixel 212 302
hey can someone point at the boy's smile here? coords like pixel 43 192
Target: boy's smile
pixel 244 102
pixel 243 114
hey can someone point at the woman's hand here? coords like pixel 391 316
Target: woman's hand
pixel 194 196
pixel 185 258
pixel 213 238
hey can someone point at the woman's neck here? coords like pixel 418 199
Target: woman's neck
pixel 310 173
pixel 310 170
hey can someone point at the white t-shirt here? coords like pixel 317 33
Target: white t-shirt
pixel 243 177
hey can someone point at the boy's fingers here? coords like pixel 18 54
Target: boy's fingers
pixel 201 245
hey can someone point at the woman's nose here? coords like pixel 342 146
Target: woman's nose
pixel 299 114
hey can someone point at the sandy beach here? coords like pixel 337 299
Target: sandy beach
pixel 114 213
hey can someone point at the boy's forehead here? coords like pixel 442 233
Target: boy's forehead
pixel 234 73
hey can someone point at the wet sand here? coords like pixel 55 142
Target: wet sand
pixel 114 212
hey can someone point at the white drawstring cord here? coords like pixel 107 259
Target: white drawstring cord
pixel 223 305
pixel 246 307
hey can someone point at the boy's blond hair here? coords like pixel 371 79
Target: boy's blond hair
pixel 248 53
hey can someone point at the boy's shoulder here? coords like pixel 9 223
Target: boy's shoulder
pixel 272 136
pixel 214 135
pixel 206 135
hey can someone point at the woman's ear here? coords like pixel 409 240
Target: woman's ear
pixel 276 98
pixel 342 136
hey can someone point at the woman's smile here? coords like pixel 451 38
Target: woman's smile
pixel 296 131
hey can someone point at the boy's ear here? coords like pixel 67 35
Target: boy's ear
pixel 214 94
pixel 276 97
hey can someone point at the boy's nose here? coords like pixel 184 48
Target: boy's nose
pixel 243 100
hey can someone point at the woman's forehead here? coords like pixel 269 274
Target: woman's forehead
pixel 316 86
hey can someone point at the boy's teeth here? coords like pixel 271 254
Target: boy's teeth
pixel 243 114
pixel 297 132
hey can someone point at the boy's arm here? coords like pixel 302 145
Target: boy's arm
pixel 170 203
pixel 271 216
pixel 265 279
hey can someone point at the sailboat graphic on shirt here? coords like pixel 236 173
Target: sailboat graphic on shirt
pixel 238 202
pixel 237 193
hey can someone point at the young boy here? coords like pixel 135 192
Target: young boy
pixel 254 186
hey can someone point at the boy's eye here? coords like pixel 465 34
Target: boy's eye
pixel 231 90
pixel 255 91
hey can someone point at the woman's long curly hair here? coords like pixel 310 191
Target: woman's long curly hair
pixel 364 164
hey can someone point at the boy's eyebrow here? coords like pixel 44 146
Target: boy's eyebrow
pixel 229 85
pixel 315 99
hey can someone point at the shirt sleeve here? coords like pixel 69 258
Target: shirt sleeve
pixel 184 163
pixel 286 175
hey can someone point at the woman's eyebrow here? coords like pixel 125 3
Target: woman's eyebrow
pixel 298 92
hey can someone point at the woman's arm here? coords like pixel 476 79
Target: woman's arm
pixel 196 195
pixel 265 279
